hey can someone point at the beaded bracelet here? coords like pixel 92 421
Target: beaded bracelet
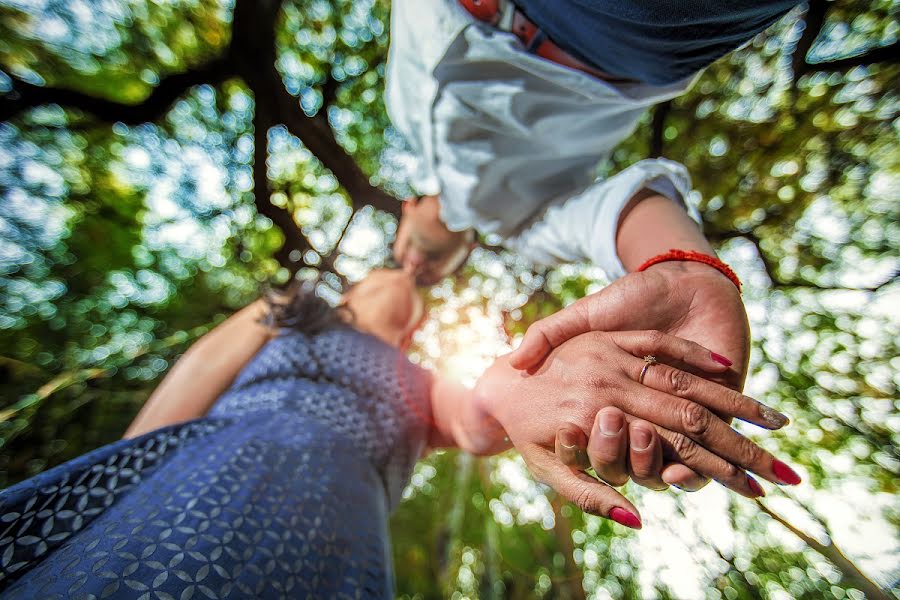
pixel 690 255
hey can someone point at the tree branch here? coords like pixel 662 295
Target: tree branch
pixel 32 402
pixel 25 95
pixel 889 53
pixel 255 56
pixel 813 21
pixel 771 267
pixel 658 128
pixel 328 260
pixel 574 576
pixel 834 554
pixel 317 135
pixel 290 255
pixel 250 54
pixel 329 90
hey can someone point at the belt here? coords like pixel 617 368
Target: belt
pixel 504 15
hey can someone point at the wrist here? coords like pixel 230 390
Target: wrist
pixel 482 416
pixel 651 225
pixel 682 266
pixel 691 257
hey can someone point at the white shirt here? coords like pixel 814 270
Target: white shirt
pixel 511 141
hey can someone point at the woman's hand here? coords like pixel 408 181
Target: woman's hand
pixel 685 299
pixel 597 370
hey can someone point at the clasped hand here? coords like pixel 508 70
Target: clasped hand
pixel 593 378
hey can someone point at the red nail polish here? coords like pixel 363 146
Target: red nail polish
pixel 784 473
pixel 623 517
pixel 720 359
pixel 755 487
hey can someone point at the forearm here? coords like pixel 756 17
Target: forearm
pixel 588 226
pixel 652 224
pixel 715 314
pixel 459 420
pixel 205 371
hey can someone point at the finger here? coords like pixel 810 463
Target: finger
pixel 683 477
pixel 588 494
pixel 607 448
pixel 645 455
pixel 671 349
pixel 680 448
pixel 718 398
pixel 571 447
pixel 701 425
pixel 548 333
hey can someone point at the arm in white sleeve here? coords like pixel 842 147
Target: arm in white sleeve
pixel 421 32
pixel 583 228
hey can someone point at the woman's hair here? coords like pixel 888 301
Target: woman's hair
pixel 298 307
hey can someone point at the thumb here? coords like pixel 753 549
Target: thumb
pixel 548 333
pixel 587 493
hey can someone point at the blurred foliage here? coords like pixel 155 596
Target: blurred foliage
pixel 120 244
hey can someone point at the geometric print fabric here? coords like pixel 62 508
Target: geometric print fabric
pixel 283 491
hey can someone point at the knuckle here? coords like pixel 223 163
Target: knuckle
pixel 584 360
pixel 655 338
pixel 538 472
pixel 680 382
pixel 584 500
pixel 730 472
pixel 696 419
pixel 641 472
pixel 579 311
pixel 597 379
pixel 603 457
pixel 735 402
pixel 683 446
pixel 587 361
pixel 750 452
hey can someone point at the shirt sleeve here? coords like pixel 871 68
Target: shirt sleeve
pixel 420 34
pixel 583 227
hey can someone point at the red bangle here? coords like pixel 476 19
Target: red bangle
pixel 706 259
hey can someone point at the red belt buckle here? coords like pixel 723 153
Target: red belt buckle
pixel 483 10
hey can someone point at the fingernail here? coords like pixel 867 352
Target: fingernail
pixel 611 422
pixel 568 438
pixel 720 359
pixel 624 517
pixel 784 473
pixel 640 438
pixel 755 487
pixel 772 417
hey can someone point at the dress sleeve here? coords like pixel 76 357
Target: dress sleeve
pixel 415 391
pixel 583 227
pixel 412 415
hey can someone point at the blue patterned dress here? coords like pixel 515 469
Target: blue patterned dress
pixel 282 491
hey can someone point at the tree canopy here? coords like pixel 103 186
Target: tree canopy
pixel 163 162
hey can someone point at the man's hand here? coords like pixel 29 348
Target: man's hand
pixel 621 448
pixel 690 300
pixel 685 299
pixel 597 370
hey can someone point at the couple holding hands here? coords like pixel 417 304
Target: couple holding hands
pixel 508 108
pixel 267 461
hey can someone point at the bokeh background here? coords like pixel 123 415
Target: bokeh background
pixel 162 161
